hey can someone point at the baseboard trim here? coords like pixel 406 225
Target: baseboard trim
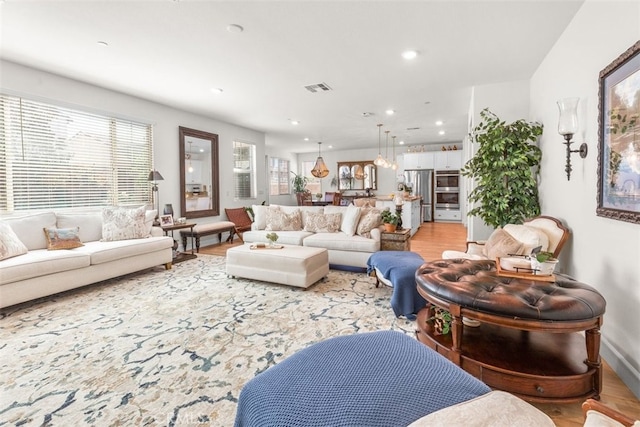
pixel 627 373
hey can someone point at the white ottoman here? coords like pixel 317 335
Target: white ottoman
pixel 292 265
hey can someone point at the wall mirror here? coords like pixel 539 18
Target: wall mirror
pixel 199 181
pixel 358 175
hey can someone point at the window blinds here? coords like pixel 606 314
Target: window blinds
pixel 53 157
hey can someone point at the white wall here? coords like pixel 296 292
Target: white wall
pixel 602 252
pixel 36 84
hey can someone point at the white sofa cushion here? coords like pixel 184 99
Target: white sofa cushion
pixel 284 237
pixel 41 262
pixel 531 237
pixel 496 409
pixel 350 217
pixel 323 222
pixel 101 252
pixel 90 224
pixel 259 217
pixel 10 244
pixel 343 242
pixel 29 229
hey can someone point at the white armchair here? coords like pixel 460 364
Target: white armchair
pixel 544 231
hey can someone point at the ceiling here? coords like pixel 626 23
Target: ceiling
pixel 175 52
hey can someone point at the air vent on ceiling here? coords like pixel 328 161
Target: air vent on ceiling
pixel 413 128
pixel 318 87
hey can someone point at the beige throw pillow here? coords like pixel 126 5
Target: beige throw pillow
pixel 501 244
pixel 369 219
pixel 278 220
pixel 123 223
pixel 322 223
pixel 10 244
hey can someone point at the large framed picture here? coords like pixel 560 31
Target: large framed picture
pixel 619 134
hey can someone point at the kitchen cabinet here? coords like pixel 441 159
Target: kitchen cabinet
pixel 448 160
pixel 447 215
pixel 424 160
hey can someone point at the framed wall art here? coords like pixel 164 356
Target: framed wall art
pixel 619 135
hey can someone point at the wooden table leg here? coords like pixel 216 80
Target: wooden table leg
pixel 592 340
pixel 456 333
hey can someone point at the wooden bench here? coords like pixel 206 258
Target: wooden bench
pixel 201 230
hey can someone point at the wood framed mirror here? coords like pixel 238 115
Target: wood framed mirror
pixel 199 173
pixel 357 175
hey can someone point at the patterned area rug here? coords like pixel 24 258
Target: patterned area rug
pixel 169 347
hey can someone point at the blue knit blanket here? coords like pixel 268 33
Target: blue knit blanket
pixel 399 267
pixel 375 379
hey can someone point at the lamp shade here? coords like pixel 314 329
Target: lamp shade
pixel 568 121
pixel 154 175
pixel 320 169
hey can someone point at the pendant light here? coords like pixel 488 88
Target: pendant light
pixel 190 168
pixel 387 163
pixel 379 161
pixel 394 164
pixel 320 170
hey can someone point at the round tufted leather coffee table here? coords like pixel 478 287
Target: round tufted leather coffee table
pixel 528 342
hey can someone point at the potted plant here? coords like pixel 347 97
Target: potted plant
pixel 505 168
pixel 318 196
pixel 543 263
pixel 273 238
pixel 390 220
pixel 299 183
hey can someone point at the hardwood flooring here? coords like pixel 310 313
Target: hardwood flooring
pixel 433 238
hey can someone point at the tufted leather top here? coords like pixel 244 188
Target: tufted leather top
pixel 476 285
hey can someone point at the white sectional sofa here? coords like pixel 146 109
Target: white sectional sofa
pixel 349 241
pixel 29 270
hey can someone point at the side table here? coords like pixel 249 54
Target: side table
pixel 182 256
pixel 399 240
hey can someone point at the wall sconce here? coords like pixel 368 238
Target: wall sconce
pixel 567 127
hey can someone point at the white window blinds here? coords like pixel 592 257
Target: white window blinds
pixel 53 157
pixel 244 165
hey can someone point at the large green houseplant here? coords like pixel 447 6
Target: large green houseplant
pixel 505 168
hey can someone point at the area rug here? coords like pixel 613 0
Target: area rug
pixel 169 347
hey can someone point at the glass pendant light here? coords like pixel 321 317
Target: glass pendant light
pixel 379 161
pixel 394 164
pixel 387 163
pixel 320 169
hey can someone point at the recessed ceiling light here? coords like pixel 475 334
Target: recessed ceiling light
pixel 330 146
pixel 438 122
pixel 217 90
pixel 409 54
pixel 401 142
pixel 202 150
pixel 441 132
pixel 390 112
pixel 306 139
pixel 102 43
pixel 235 28
pixel 294 122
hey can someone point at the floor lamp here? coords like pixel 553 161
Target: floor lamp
pixel 155 176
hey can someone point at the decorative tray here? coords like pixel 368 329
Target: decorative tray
pixel 523 274
pixel 265 246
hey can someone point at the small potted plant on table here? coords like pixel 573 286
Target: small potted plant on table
pixel 273 238
pixel 390 220
pixel 543 263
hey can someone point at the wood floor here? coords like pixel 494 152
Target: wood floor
pixel 433 238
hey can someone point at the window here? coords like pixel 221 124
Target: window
pixel 54 157
pixel 314 183
pixel 278 176
pixel 244 166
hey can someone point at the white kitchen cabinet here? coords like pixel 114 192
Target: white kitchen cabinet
pixel 447 215
pixel 448 160
pixel 424 160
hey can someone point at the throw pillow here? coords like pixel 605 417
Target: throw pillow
pixel 278 220
pixel 10 244
pixel 369 219
pixel 322 223
pixel 62 238
pixel 149 217
pixel 350 220
pixel 530 237
pixel 123 224
pixel 260 216
pixel 501 244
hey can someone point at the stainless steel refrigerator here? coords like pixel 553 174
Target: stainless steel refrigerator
pixel 421 182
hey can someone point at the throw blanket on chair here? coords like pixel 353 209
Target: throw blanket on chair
pixel 399 267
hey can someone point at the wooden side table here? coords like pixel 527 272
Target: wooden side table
pixel 181 256
pixel 399 240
